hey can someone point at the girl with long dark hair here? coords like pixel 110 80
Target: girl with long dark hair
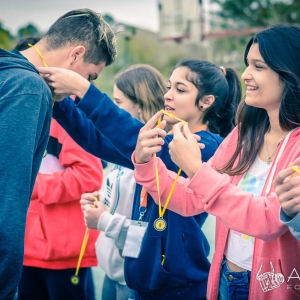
pixel 256 255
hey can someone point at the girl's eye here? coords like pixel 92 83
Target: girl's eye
pixel 168 87
pixel 180 91
pixel 258 67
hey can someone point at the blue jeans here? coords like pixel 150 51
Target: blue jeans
pixel 233 285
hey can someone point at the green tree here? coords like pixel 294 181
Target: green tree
pixel 29 30
pixel 6 39
pixel 257 13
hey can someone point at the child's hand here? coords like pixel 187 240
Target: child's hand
pixel 150 140
pixel 64 82
pixel 89 199
pixel 288 190
pixel 184 149
pixel 93 213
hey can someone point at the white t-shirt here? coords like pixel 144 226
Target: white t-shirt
pixel 239 249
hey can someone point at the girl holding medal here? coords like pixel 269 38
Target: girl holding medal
pixel 172 260
pixel 256 256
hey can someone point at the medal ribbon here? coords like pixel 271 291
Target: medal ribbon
pixel 144 194
pixel 44 62
pixel 74 279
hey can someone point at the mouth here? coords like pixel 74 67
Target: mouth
pixel 169 108
pixel 251 88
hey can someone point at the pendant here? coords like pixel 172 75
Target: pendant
pixel 160 224
pixel 269 161
pixel 74 279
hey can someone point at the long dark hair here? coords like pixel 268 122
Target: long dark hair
pixel 223 84
pixel 279 46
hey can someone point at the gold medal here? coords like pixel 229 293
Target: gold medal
pixel 74 279
pixel 160 224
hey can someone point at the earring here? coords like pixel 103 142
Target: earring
pixel 200 107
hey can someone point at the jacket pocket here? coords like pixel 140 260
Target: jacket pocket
pixel 147 272
pixel 269 281
pixel 35 241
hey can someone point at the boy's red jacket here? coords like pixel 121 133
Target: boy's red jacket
pixel 55 225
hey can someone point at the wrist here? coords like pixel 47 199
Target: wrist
pixel 81 88
pixel 289 214
pixel 138 161
pixel 193 169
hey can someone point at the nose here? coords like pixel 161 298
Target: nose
pixel 246 74
pixel 168 95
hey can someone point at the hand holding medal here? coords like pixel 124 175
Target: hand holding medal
pixel 287 188
pixel 149 143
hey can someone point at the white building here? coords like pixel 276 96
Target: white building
pixel 182 20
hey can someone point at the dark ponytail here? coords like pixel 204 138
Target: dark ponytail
pixel 223 84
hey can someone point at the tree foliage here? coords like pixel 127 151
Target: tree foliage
pixel 29 30
pixel 258 13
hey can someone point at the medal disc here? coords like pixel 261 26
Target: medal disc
pixel 74 279
pixel 160 224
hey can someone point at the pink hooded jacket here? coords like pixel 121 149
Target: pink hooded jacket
pixel 276 258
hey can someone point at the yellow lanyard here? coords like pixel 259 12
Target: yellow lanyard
pixel 160 224
pixel 44 62
pixel 75 278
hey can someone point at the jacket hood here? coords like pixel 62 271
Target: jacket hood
pixel 14 59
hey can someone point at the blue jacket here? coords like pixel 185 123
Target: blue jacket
pixel 185 270
pixel 292 223
pixel 25 106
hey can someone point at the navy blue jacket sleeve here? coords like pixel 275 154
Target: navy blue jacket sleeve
pixel 85 134
pixel 117 125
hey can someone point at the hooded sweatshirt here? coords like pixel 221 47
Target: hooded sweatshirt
pixel 275 264
pixel 112 135
pixel 25 106
pixel 55 225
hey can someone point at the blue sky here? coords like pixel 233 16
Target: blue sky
pixel 17 13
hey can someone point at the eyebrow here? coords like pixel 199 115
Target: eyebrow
pixel 178 82
pixel 257 60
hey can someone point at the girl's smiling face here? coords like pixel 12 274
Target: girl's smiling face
pixel 264 87
pixel 180 99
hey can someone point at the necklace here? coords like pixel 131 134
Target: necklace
pixel 269 161
pixel 45 65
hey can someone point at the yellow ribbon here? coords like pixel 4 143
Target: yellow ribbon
pixel 161 211
pixel 83 246
pixel 295 169
pixel 45 65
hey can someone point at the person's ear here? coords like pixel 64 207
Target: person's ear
pixel 206 102
pixel 77 54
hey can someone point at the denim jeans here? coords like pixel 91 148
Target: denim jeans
pixel 233 285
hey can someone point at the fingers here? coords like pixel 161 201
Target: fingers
pixel 163 124
pixel 47 70
pixel 282 176
pixel 197 138
pixel 153 121
pixel 291 206
pixel 88 199
pixel 295 162
pixel 201 146
pixel 288 185
pixel 177 129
